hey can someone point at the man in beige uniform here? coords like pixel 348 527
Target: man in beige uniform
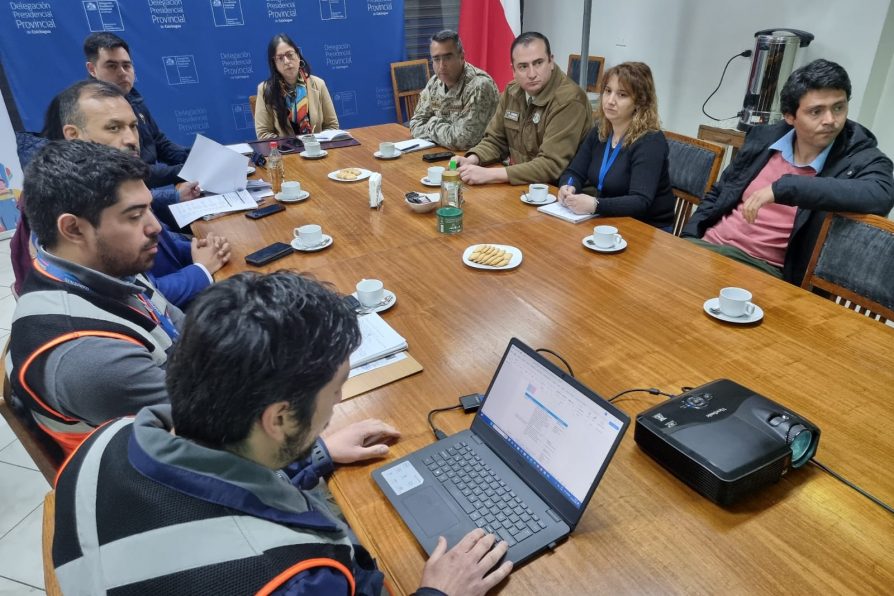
pixel 542 118
pixel 458 102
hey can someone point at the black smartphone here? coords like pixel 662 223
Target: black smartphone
pixel 268 254
pixel 258 159
pixel 265 211
pixel 443 155
pixel 353 303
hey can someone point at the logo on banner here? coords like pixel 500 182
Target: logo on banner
pixel 181 70
pixel 345 103
pixel 281 11
pixel 103 15
pixel 236 65
pixel 192 120
pixel 333 9
pixel 379 9
pixel 242 116
pixel 385 98
pixel 227 13
pixel 338 55
pixel 34 18
pixel 167 14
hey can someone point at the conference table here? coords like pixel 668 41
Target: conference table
pixel 625 320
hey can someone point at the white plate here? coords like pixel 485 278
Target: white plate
pixel 364 174
pixel 514 261
pixel 383 307
pixel 327 241
pixel 378 155
pixel 549 199
pixel 250 170
pixel 320 155
pixel 754 317
pixel 301 196
pixel 426 182
pixel 588 242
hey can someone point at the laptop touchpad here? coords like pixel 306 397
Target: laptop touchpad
pixel 430 511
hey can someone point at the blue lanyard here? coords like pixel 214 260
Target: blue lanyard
pixel 607 160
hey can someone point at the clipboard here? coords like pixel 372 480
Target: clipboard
pixel 380 377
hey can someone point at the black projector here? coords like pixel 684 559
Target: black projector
pixel 724 440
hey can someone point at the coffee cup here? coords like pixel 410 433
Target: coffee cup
pixel 537 193
pixel 312 148
pixel 370 292
pixel 309 235
pixel 735 302
pixel 387 149
pixel 606 236
pixel 434 174
pixel 307 139
pixel 291 189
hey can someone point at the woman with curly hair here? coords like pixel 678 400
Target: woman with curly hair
pixel 291 102
pixel 625 156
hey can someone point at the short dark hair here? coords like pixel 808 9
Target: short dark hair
pixel 819 74
pixel 449 35
pixel 251 341
pixel 65 108
pixel 76 177
pixel 102 40
pixel 526 38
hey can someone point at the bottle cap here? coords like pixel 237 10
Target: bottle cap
pixel 452 165
pixel 274 145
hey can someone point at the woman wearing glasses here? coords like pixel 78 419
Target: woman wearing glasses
pixel 291 102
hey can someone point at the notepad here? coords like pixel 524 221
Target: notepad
pixel 379 339
pixel 326 136
pixel 558 210
pixel 413 145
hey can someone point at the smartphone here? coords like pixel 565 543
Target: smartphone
pixel 268 254
pixel 442 156
pixel 353 303
pixel 265 211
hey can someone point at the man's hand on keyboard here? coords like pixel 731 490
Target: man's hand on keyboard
pixel 464 568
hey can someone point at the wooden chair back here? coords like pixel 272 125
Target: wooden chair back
pixel 595 70
pixel 252 100
pixel 51 582
pixel 853 264
pixel 693 167
pixel 408 79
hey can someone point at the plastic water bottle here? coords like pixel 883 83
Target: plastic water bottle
pixel 275 167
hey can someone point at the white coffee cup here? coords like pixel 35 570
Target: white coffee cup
pixel 307 138
pixel 735 302
pixel 313 148
pixel 434 174
pixel 309 235
pixel 291 189
pixel 387 149
pixel 370 292
pixel 538 193
pixel 606 236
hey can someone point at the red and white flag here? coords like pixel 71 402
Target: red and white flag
pixel 487 29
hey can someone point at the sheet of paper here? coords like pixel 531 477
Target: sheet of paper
pixel 392 359
pixel 187 212
pixel 379 339
pixel 332 135
pixel 558 210
pixel 413 145
pixel 243 148
pixel 216 168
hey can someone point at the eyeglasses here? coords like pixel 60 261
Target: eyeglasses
pixel 443 58
pixel 289 56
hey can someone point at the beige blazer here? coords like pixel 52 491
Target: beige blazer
pixel 322 111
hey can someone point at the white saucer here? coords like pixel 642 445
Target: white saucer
pixel 587 242
pixel 327 241
pixel 249 170
pixel 549 199
pixel 320 155
pixel 364 174
pixel 426 182
pixel 514 261
pixel 382 307
pixel 754 317
pixel 378 155
pixel 301 196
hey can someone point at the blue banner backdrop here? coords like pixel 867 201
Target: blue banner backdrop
pixel 198 61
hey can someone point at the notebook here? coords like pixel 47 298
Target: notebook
pixel 558 210
pixel 379 339
pixel 544 436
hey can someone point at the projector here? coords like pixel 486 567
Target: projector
pixel 724 440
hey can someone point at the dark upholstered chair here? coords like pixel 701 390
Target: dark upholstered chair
pixel 595 68
pixel 853 264
pixel 408 79
pixel 693 167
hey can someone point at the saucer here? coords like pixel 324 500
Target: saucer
pixel 754 317
pixel 301 196
pixel 320 155
pixel 428 182
pixel 378 155
pixel 588 242
pixel 549 199
pixel 514 261
pixel 387 302
pixel 327 241
pixel 249 170
pixel 361 174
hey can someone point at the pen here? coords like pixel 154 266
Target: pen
pixel 410 147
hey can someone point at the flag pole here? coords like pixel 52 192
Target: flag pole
pixel 585 45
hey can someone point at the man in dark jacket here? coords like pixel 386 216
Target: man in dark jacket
pixel 108 59
pixel 768 206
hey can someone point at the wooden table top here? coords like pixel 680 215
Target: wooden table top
pixel 631 319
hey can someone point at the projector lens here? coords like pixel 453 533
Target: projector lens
pixel 800 446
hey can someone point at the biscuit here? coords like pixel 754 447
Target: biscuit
pixel 348 174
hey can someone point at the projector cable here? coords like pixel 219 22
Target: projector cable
pixel 565 362
pixel 652 390
pixel 841 478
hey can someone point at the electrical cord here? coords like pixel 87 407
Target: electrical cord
pixel 439 434
pixel 565 362
pixel 847 482
pixel 745 54
pixel 652 390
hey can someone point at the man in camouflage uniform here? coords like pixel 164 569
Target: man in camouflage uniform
pixel 458 101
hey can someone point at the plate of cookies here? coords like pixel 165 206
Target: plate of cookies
pixel 492 256
pixel 349 174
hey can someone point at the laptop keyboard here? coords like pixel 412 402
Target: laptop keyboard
pixel 485 498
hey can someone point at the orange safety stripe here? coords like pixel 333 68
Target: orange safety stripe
pixel 75 450
pixel 39 266
pixel 294 570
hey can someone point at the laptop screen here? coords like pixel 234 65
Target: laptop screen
pixel 561 432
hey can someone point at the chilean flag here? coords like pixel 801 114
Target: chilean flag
pixel 487 29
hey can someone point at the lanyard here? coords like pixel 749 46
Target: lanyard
pixel 607 160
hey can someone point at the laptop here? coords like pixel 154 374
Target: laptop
pixel 525 470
